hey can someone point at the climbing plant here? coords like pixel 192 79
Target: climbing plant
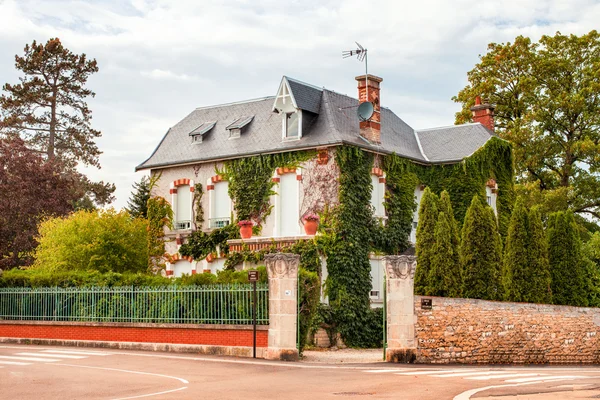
pixel 160 214
pixel 198 193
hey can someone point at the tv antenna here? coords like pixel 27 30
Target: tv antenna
pixel 365 112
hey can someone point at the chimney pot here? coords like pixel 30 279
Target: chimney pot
pixel 370 130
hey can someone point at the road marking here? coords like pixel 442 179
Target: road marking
pixel 30 359
pixel 467 395
pixel 152 394
pixel 546 378
pixel 459 374
pixel 50 355
pixel 381 371
pixel 487 378
pixel 125 370
pixel 83 353
pixel 13 363
pixel 435 371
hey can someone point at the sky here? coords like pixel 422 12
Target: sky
pixel 161 59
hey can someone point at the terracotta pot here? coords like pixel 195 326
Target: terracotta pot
pixel 210 258
pixel 310 226
pixel 246 231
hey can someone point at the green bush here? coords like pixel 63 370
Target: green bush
pixel 93 240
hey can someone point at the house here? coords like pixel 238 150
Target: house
pixel 299 117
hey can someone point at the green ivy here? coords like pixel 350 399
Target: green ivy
pixel 160 214
pixel 200 244
pixel 198 193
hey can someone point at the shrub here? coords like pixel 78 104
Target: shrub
pixel 93 240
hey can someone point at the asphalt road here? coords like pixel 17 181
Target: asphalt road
pixel 39 372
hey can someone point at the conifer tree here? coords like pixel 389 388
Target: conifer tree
pixel 516 279
pixel 445 276
pixel 539 287
pixel 137 205
pixel 425 240
pixel 480 253
pixel 566 261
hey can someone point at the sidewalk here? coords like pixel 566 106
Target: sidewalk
pixel 343 356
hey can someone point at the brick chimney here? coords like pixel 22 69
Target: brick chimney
pixel 370 130
pixel 483 113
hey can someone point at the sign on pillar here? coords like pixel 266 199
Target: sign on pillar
pixel 400 305
pixel 282 270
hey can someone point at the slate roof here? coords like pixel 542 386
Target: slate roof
pixel 328 118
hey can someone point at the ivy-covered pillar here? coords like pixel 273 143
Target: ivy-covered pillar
pixel 282 271
pixel 401 318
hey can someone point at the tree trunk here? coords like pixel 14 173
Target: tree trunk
pixel 52 133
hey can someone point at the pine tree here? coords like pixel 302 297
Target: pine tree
pixel 516 268
pixel 425 240
pixel 566 261
pixel 137 205
pixel 539 287
pixel 480 253
pixel 453 270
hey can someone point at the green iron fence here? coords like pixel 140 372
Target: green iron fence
pixel 214 304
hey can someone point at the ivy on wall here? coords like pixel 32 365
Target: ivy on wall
pixel 199 211
pixel 160 214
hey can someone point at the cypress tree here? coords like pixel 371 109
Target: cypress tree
pixel 566 261
pixel 539 287
pixel 445 276
pixel 480 253
pixel 425 240
pixel 516 279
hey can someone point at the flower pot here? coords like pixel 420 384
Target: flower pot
pixel 210 258
pixel 246 231
pixel 310 226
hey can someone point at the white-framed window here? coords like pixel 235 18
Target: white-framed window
pixel 418 195
pixel 181 201
pixel 288 190
pixel 492 197
pixel 181 267
pixel 377 279
pixel 220 205
pixel 292 125
pixel 377 196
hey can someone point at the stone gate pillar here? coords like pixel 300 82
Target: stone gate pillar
pixel 399 275
pixel 282 270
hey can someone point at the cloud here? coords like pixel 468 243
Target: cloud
pixel 160 59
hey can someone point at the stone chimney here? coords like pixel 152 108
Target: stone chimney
pixel 483 113
pixel 370 130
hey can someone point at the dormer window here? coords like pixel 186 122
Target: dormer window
pixel 292 125
pixel 198 133
pixel 235 128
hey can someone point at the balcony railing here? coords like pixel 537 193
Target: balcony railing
pixel 182 225
pixel 215 223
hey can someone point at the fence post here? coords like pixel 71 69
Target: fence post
pixel 282 270
pixel 400 305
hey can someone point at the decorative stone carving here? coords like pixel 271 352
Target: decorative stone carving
pixel 400 267
pixel 282 265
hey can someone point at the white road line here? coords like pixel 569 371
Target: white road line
pixel 83 353
pixel 381 371
pixel 125 370
pixel 50 355
pixel 487 378
pixel 545 378
pixel 13 363
pixel 30 359
pixel 152 394
pixel 435 371
pixel 465 374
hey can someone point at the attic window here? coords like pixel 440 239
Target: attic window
pixel 198 133
pixel 235 128
pixel 292 125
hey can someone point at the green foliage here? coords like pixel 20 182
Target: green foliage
pixel 160 214
pixel 200 244
pixel 198 193
pixel 74 278
pixel 516 268
pixel 428 211
pixel 349 279
pixel 539 265
pixel 250 183
pixel 309 296
pixel 567 263
pixel 102 241
pixel 480 253
pixel 546 97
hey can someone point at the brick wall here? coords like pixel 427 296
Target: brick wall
pixel 212 335
pixel 478 331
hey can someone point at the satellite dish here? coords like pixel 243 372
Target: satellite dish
pixel 365 111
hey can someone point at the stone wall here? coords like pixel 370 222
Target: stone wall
pixel 477 331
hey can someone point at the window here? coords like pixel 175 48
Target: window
pixel 491 196
pixel 377 275
pixel 220 206
pixel 289 205
pixel 183 210
pixel 489 200
pixel 292 125
pixel 377 194
pixel 197 139
pixel 182 267
pixel 418 194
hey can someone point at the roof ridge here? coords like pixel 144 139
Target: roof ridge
pixel 235 103
pixel 448 127
pixel 289 78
